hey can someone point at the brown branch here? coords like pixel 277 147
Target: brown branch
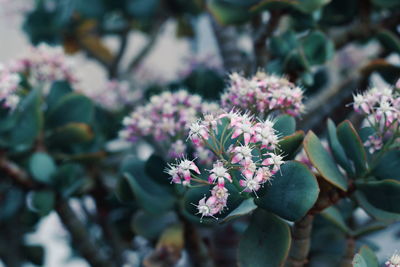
pixel 80 237
pixel 301 241
pixel 347 260
pixel 114 67
pixel 261 54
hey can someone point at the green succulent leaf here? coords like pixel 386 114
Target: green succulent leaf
pixel 388 166
pixel 149 225
pixel 155 167
pixel 43 201
pixel 293 192
pixel 289 145
pixel 272 239
pixel 71 133
pixel 369 256
pixel 386 3
pixel 317 48
pixel 384 195
pixel 246 207
pixel 337 149
pixel 323 162
pixel 375 212
pixel 42 167
pixel 69 178
pixel 359 261
pixel 352 146
pixel 28 123
pixel 389 40
pixel 333 215
pixel 57 90
pixel 71 108
pixel 285 125
pixel 151 196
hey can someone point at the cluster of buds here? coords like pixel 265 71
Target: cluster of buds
pixel 45 64
pixel 381 108
pixel 165 120
pixel 244 149
pixel 9 82
pixel 263 94
pixel 113 96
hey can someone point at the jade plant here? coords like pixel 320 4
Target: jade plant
pixel 282 150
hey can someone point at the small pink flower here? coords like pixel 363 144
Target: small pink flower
pixel 219 173
pixel 240 153
pixel 394 261
pixel 274 160
pixel 207 207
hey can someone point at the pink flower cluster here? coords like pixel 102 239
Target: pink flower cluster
pixel 9 82
pixel 44 64
pixel 244 149
pixel 165 120
pixel 263 94
pixel 113 96
pixel 381 107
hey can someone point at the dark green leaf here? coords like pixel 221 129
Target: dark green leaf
pixel 337 149
pixel 42 167
pixel 246 207
pixel 289 145
pixel 386 3
pixel 369 256
pixel 293 192
pixel 384 195
pixel 323 162
pixel 373 211
pixel 317 48
pixel 57 90
pixel 155 169
pixel 266 241
pixel 352 145
pixel 333 215
pixel 43 201
pixel 388 166
pixel 389 40
pixel 358 261
pixel 309 6
pixel 285 125
pixel 71 108
pixel 149 225
pixel 71 133
pixel 29 122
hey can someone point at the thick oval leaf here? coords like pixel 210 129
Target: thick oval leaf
pixel 337 149
pixel 266 241
pixel 285 125
pixel 369 256
pixel 352 146
pixel 246 207
pixel 358 261
pixel 57 90
pixel 42 167
pixel 293 192
pixel 333 215
pixel 42 201
pixel 155 167
pixel 151 196
pixel 71 133
pixel 388 166
pixel 71 108
pixel 373 211
pixel 317 48
pixel 289 145
pixel 323 162
pixel 29 122
pixel 149 225
pixel 390 41
pixel 384 195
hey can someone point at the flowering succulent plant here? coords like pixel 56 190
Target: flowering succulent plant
pixel 381 108
pixel 9 83
pixel 263 94
pixel 166 119
pixel 244 149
